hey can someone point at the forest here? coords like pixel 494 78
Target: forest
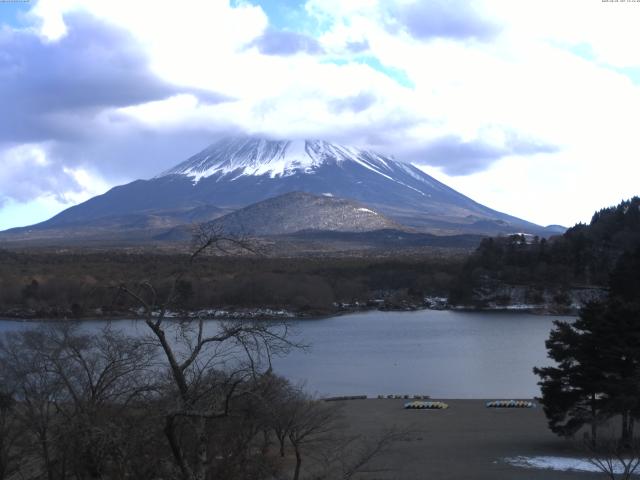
pixel 585 255
pixel 81 285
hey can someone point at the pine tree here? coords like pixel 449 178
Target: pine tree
pixel 598 360
pixel 572 392
pixel 622 339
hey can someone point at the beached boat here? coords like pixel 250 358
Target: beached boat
pixel 510 404
pixel 426 405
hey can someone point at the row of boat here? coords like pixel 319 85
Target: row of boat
pixel 510 404
pixel 428 405
pixel 416 405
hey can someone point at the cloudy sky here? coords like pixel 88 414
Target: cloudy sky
pixel 529 107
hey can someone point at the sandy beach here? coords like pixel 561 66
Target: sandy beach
pixel 465 441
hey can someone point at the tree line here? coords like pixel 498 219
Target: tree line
pixel 583 255
pixel 81 285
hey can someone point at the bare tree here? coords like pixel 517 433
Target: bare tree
pixel 616 459
pixel 241 439
pixel 71 391
pixel 101 375
pixel 38 392
pixel 311 423
pixel 345 457
pixel 207 368
pixel 9 434
pixel 315 430
pixel 279 404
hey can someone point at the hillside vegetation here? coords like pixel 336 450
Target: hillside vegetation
pixel 583 257
pixel 72 284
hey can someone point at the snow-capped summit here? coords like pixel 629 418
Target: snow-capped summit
pixel 252 156
pixel 241 156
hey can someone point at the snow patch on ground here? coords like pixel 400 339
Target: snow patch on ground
pixel 563 464
pixel 224 314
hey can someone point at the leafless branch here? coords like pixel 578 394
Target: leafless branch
pixel 612 458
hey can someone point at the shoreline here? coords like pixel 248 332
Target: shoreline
pixel 274 314
pixel 410 398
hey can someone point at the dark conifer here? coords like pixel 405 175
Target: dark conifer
pixel 572 392
pixel 598 360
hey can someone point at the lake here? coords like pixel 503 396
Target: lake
pixel 444 354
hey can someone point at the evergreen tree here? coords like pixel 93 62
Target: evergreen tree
pixel 625 278
pixel 572 392
pixel 623 342
pixel 598 360
pixel 621 366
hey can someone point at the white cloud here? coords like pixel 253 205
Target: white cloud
pixel 36 186
pixel 28 173
pixel 196 43
pixel 609 29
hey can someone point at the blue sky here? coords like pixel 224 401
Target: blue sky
pixel 12 13
pixel 396 74
pixel 526 107
pixel 284 14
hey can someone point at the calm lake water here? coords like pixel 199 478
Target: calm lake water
pixel 445 354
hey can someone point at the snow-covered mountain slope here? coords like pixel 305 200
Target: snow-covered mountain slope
pixel 234 157
pixel 236 172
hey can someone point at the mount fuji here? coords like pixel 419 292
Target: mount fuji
pixel 236 172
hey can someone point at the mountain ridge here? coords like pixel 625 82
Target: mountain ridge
pixel 303 165
pixel 300 211
pixel 235 172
